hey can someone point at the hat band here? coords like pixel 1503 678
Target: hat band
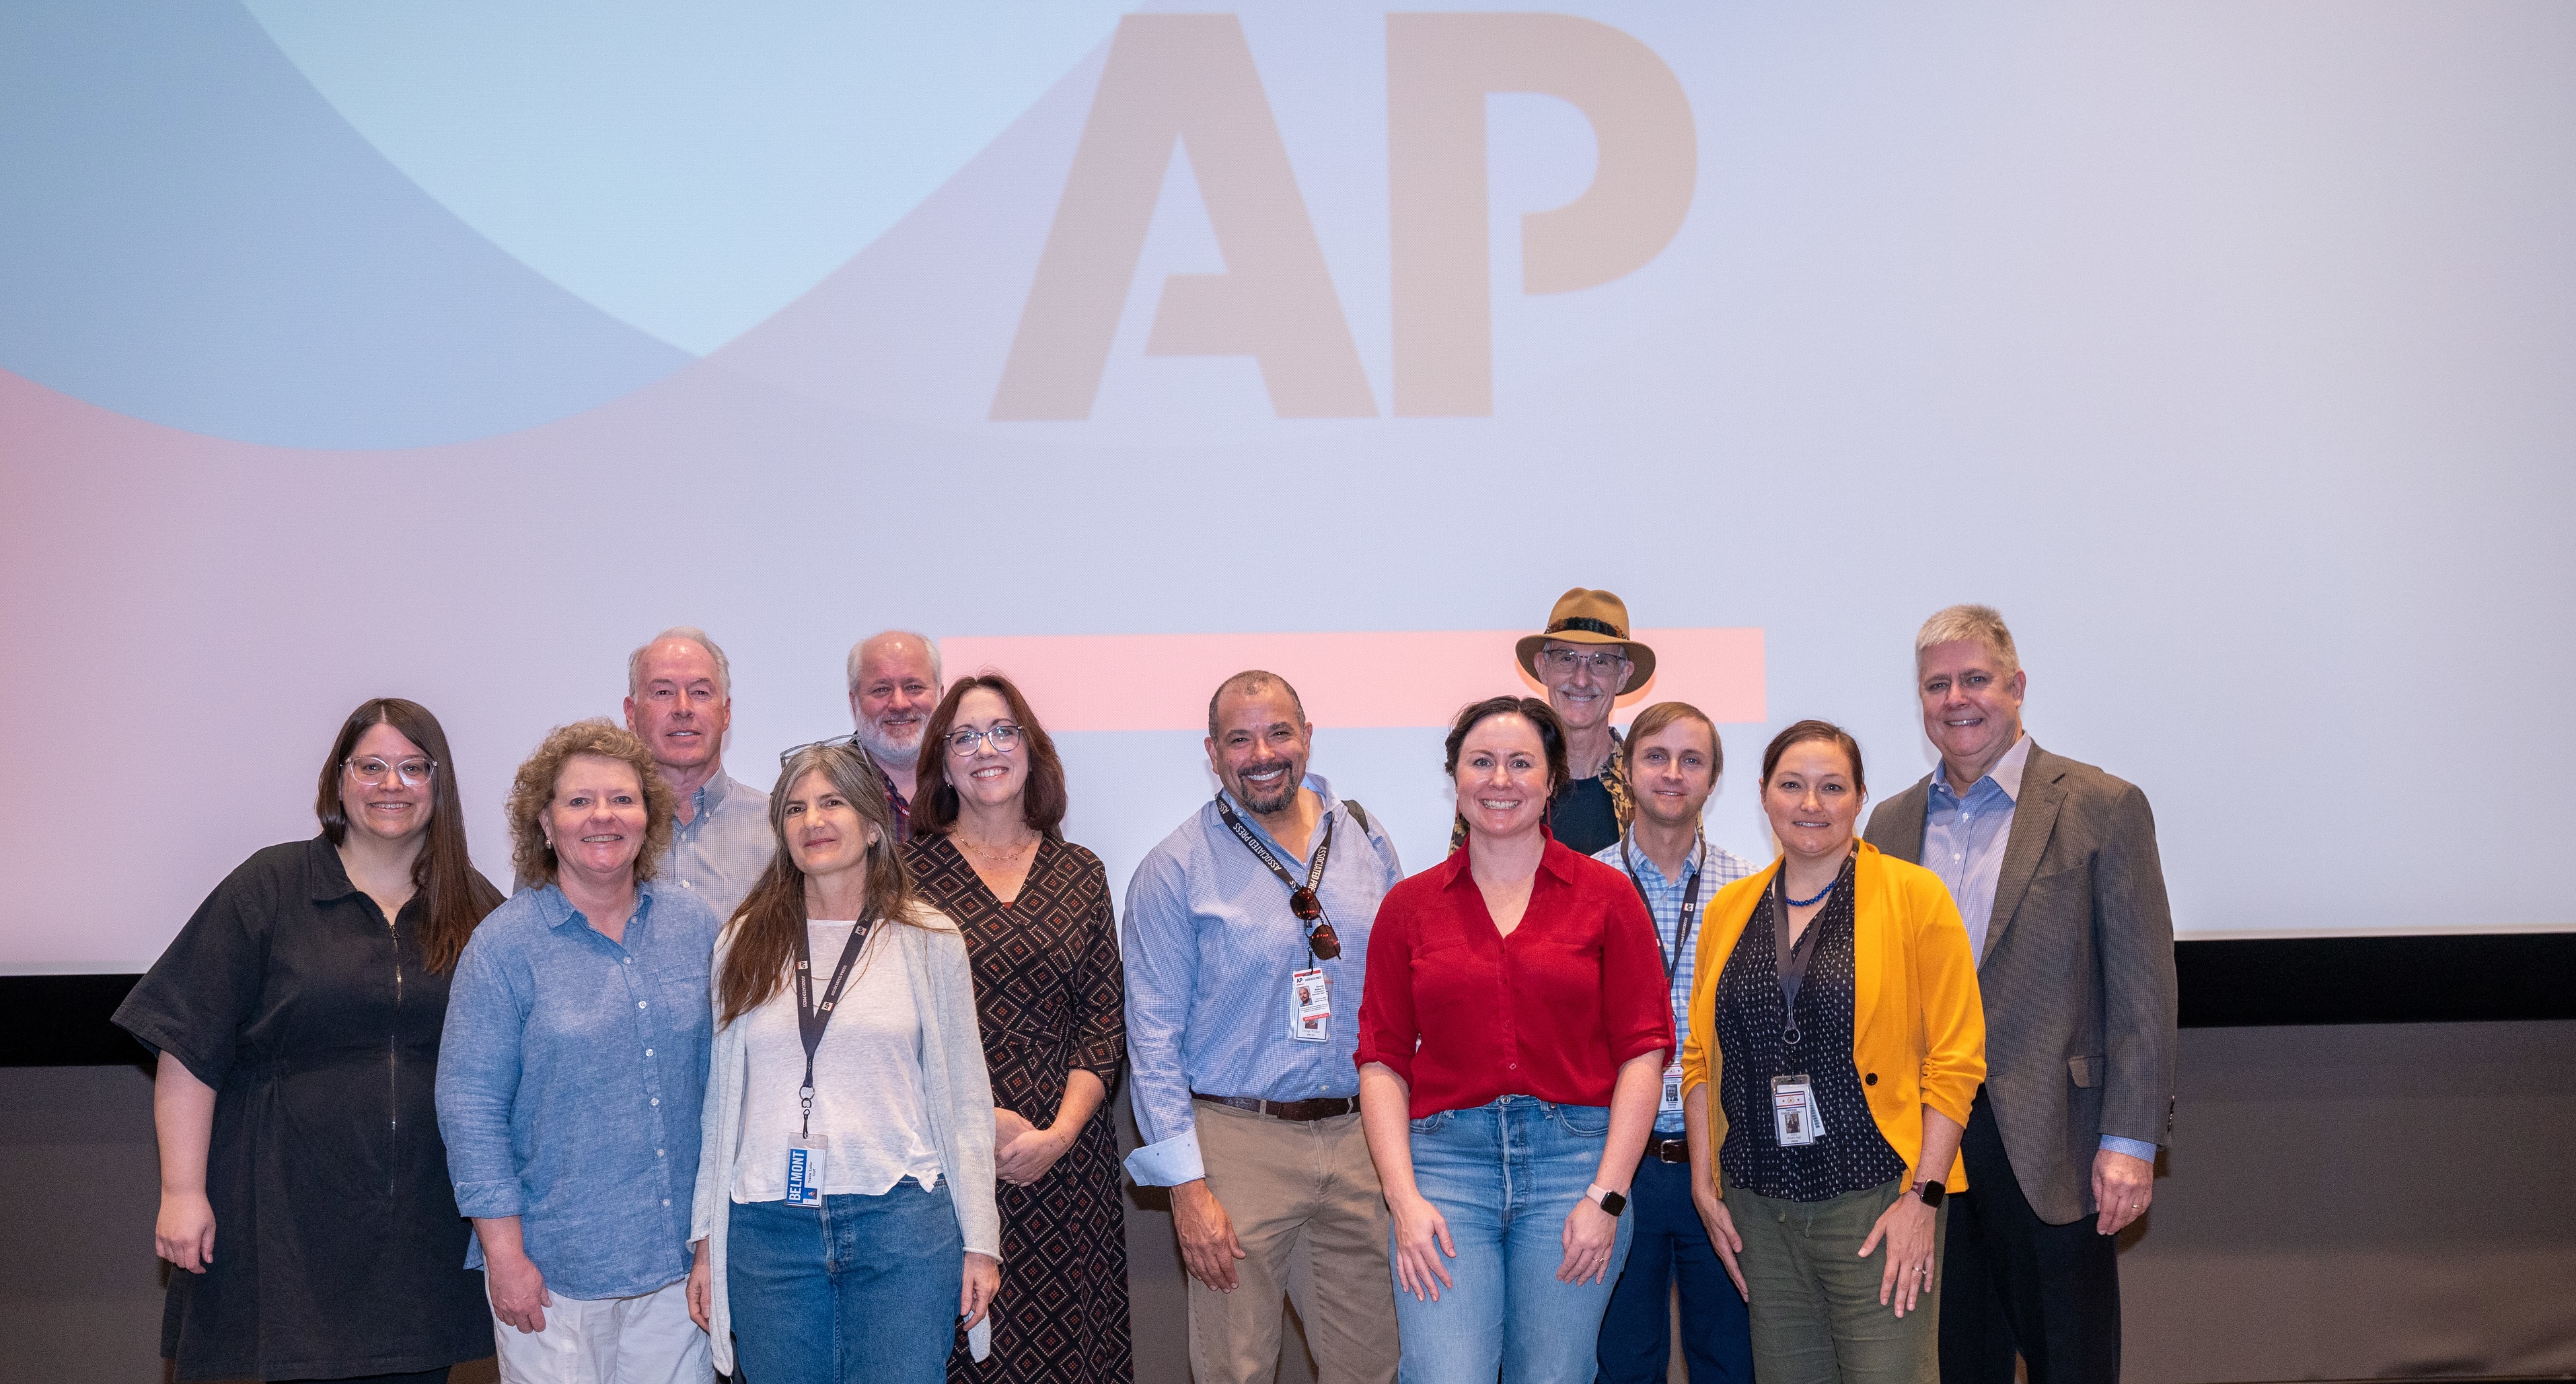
pixel 1587 624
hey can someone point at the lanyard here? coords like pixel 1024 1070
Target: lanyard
pixel 1690 902
pixel 1790 958
pixel 811 1018
pixel 1314 870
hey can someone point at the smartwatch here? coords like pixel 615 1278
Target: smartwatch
pixel 1931 1192
pixel 1611 1203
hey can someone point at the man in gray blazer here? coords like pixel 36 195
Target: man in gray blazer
pixel 2054 867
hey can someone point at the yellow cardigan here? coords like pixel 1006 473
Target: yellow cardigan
pixel 1918 1026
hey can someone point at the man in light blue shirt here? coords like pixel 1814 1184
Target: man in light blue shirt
pixel 1670 761
pixel 679 702
pixel 1242 1018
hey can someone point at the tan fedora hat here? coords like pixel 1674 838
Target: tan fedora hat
pixel 1590 617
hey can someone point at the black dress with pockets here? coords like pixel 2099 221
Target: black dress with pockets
pixel 338 1248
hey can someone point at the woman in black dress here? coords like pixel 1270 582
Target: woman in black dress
pixel 986 848
pixel 304 1191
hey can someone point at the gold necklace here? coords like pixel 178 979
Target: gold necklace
pixel 1001 859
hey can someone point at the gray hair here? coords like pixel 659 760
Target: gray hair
pixel 1981 623
pixel 938 678
pixel 691 633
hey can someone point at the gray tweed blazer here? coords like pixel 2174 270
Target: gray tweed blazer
pixel 2077 976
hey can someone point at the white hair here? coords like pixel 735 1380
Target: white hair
pixel 691 633
pixel 1981 623
pixel 938 680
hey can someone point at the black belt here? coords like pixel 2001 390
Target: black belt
pixel 1668 1150
pixel 1302 1111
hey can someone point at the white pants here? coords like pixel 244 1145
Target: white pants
pixel 636 1340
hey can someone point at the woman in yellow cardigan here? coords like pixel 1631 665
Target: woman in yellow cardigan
pixel 1834 1009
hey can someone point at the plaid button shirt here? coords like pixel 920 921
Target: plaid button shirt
pixel 1718 867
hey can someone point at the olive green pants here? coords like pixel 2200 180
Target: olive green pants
pixel 1816 1316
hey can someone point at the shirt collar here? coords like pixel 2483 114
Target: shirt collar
pixel 1558 859
pixel 711 794
pixel 2005 775
pixel 558 910
pixel 1316 782
pixel 1692 864
pixel 330 878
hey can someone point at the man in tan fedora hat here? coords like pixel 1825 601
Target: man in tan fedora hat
pixel 1585 659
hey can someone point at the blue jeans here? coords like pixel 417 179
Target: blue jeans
pixel 1504 1176
pixel 1672 1248
pixel 859 1288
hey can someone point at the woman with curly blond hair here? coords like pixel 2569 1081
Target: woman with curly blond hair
pixel 573 1071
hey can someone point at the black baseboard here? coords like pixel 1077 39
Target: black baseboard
pixel 62 1021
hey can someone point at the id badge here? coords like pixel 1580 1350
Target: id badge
pixel 1672 1103
pixel 1793 1112
pixel 1310 1006
pixel 805 1158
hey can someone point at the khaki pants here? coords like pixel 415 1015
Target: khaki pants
pixel 1816 1318
pixel 637 1340
pixel 1306 1207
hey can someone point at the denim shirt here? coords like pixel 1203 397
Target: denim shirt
pixel 1210 945
pixel 571 1079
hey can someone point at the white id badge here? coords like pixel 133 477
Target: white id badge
pixel 1310 1006
pixel 1793 1112
pixel 805 1172
pixel 1672 1104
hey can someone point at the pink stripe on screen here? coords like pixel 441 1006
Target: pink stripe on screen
pixel 1089 682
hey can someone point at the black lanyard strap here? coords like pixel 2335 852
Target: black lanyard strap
pixel 812 1018
pixel 1690 902
pixel 1310 923
pixel 1789 959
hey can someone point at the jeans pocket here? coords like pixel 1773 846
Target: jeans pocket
pixel 1433 1123
pixel 1590 1121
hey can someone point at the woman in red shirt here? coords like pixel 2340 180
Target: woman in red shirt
pixel 1511 1040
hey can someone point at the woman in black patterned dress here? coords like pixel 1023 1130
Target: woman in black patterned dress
pixel 986 849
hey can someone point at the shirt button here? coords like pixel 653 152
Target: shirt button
pixel 685 884
pixel 630 961
pixel 658 1153
pixel 657 1100
pixel 639 1004
pixel 648 1052
pixel 666 1201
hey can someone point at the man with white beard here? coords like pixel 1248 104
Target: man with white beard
pixel 894 686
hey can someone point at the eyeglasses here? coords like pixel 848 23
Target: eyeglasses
pixel 1319 935
pixel 371 770
pixel 1599 660
pixel 1004 738
pixel 850 741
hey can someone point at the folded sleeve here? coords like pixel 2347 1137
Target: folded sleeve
pixel 1636 1003
pixel 1954 1017
pixel 479 1055
pixel 1161 980
pixel 1389 1027
pixel 196 999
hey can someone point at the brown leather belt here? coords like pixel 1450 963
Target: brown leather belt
pixel 1668 1150
pixel 1302 1111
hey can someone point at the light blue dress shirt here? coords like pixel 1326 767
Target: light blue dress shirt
pixel 571 1077
pixel 1210 945
pixel 1677 935
pixel 1964 836
pixel 719 852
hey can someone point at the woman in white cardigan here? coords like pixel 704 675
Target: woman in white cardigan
pixel 845 1221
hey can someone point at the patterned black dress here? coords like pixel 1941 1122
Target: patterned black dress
pixel 1049 1000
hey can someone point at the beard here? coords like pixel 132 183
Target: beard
pixel 1277 798
pixel 888 751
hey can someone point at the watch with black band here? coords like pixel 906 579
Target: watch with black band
pixel 1930 1191
pixel 1610 1202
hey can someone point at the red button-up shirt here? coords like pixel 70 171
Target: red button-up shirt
pixel 1466 1015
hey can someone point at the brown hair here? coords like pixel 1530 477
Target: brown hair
pixel 533 789
pixel 453 895
pixel 934 798
pixel 1551 733
pixel 764 930
pixel 1814 730
pixel 1657 719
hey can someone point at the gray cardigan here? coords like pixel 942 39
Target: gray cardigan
pixel 953 1076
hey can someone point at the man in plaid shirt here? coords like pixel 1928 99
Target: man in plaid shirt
pixel 1671 758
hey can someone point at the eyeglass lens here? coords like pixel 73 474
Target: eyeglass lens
pixel 1005 737
pixel 1599 661
pixel 414 772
